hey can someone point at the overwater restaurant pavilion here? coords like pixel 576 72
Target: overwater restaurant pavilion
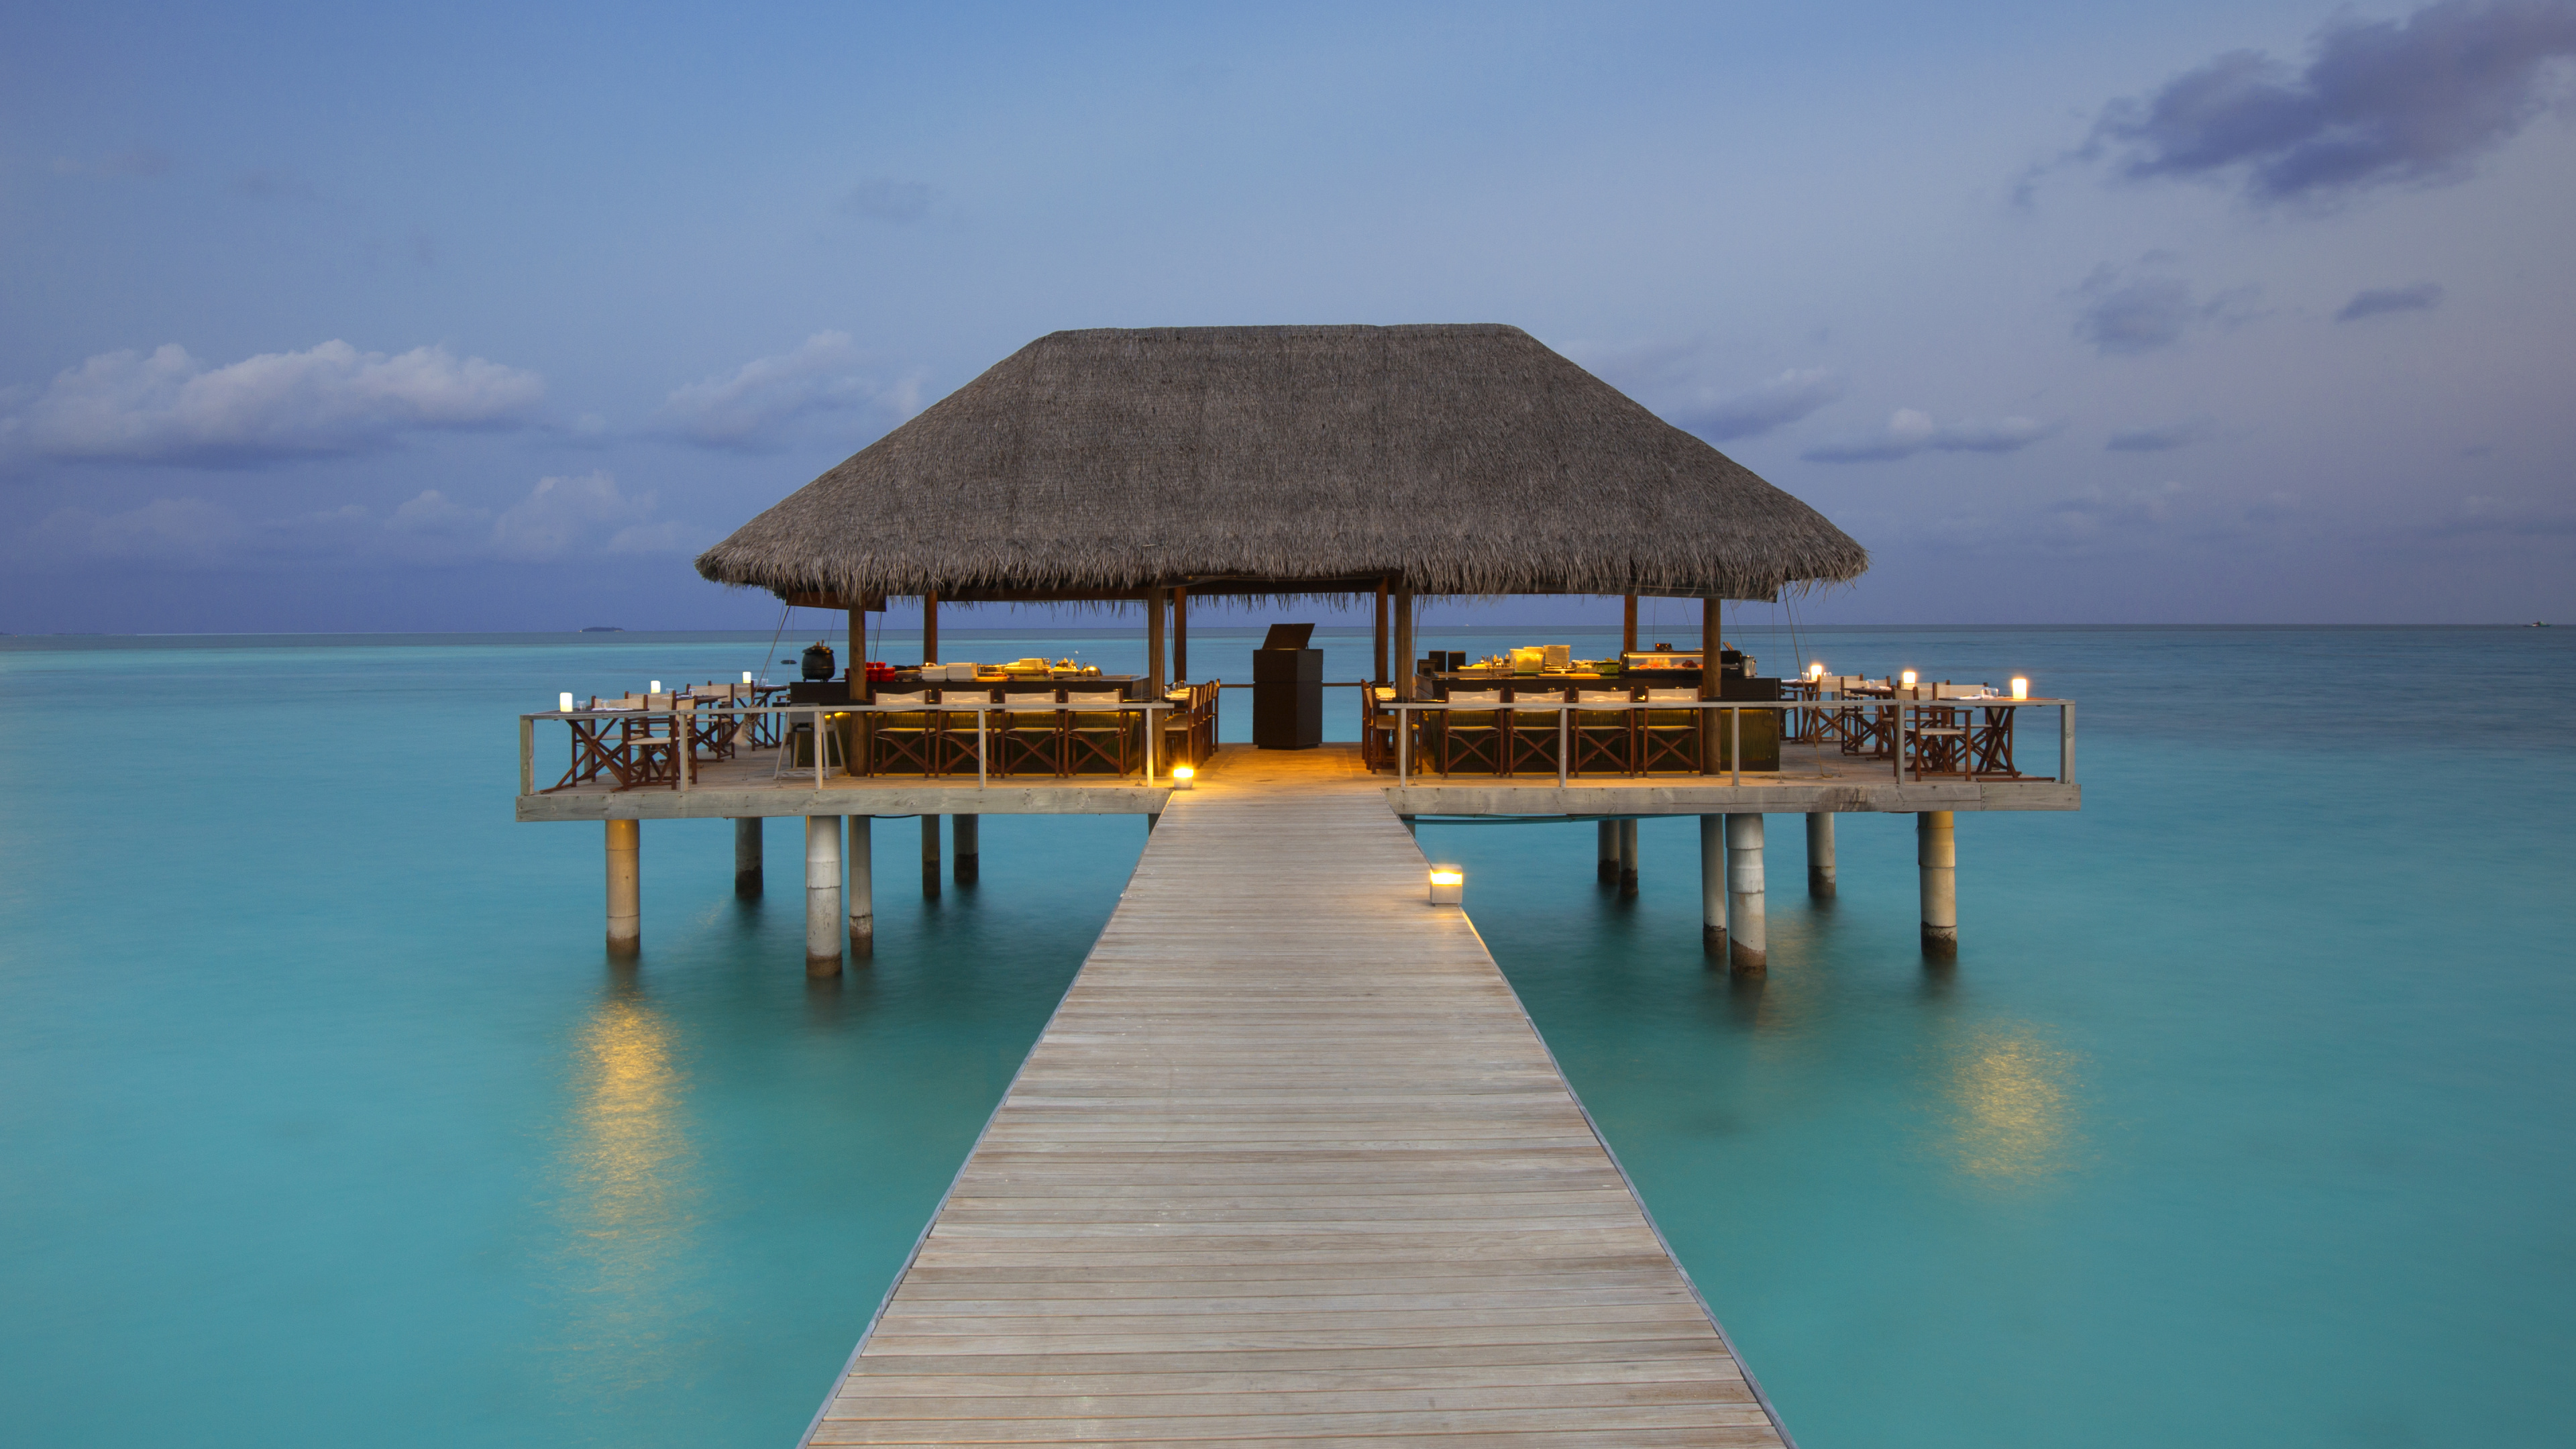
pixel 1150 468
pixel 1289 1162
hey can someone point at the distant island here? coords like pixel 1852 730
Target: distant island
pixel 602 629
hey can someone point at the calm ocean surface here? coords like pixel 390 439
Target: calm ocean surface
pixel 2247 1116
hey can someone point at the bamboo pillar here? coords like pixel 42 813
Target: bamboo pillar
pixel 929 857
pixel 823 929
pixel 1820 855
pixel 746 856
pixel 1936 852
pixel 1627 858
pixel 1381 676
pixel 1606 870
pixel 969 847
pixel 1748 941
pixel 863 888
pixel 1403 643
pixel 1181 636
pixel 1712 886
pixel 625 888
pixel 1156 601
pixel 930 628
pixel 1628 625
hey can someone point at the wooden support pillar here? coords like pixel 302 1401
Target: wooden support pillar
pixel 1156 600
pixel 823 928
pixel 929 857
pixel 858 660
pixel 1748 946
pixel 625 888
pixel 1606 870
pixel 1936 852
pixel 1628 625
pixel 1627 858
pixel 1180 636
pixel 1820 854
pixel 746 856
pixel 929 629
pixel 1712 886
pixel 863 888
pixel 969 847
pixel 1710 611
pixel 1381 676
pixel 1403 643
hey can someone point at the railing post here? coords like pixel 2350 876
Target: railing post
pixel 527 754
pixel 2066 743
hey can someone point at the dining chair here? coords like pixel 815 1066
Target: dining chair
pixel 1471 732
pixel 1671 738
pixel 906 739
pixel 1606 738
pixel 1534 736
pixel 1098 734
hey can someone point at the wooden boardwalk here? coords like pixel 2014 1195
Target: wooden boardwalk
pixel 1290 1167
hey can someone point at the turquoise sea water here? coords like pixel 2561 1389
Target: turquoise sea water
pixel 2243 1119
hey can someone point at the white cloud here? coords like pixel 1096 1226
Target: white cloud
pixel 1781 401
pixel 563 515
pixel 1910 431
pixel 167 407
pixel 747 409
pixel 434 514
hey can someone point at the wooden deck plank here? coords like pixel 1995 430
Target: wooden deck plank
pixel 1290 1166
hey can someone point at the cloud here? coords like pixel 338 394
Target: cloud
pixel 2129 310
pixel 2161 439
pixel 1781 401
pixel 1909 432
pixel 2379 301
pixel 2385 103
pixel 168 407
pixel 580 513
pixel 882 198
pixel 2477 514
pixel 166 530
pixel 748 409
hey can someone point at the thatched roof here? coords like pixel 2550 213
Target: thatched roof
pixel 1454 459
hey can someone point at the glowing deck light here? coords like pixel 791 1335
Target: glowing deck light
pixel 565 706
pixel 657 686
pixel 1906 679
pixel 746 676
pixel 1446 882
pixel 1183 776
pixel 1816 671
pixel 2020 687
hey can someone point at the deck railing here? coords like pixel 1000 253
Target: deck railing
pixel 688 725
pixel 1900 723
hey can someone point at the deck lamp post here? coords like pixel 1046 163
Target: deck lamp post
pixel 1906 679
pixel 2020 687
pixel 1447 881
pixel 1183 777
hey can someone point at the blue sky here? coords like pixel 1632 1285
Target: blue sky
pixel 364 318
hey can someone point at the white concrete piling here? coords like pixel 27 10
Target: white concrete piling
pixel 968 846
pixel 625 888
pixel 1820 855
pixel 930 857
pixel 823 928
pixel 1712 886
pixel 746 856
pixel 1748 945
pixel 1627 858
pixel 1608 870
pixel 863 888
pixel 1936 851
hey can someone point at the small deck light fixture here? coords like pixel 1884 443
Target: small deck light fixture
pixel 1184 777
pixel 1906 679
pixel 565 704
pixel 2020 687
pixel 1446 883
pixel 657 685
pixel 1815 671
pixel 746 676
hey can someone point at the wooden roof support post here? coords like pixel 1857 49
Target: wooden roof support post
pixel 1710 612
pixel 930 628
pixel 1628 625
pixel 1403 642
pixel 1155 601
pixel 1181 635
pixel 1381 675
pixel 858 640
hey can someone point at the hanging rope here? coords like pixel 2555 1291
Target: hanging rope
pixel 762 674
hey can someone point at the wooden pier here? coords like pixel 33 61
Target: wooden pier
pixel 1290 1164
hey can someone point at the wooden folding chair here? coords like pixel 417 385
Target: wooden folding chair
pixel 1097 734
pixel 1671 739
pixel 1468 738
pixel 906 740
pixel 1606 738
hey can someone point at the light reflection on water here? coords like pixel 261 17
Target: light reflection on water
pixel 629 1194
pixel 2013 1103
